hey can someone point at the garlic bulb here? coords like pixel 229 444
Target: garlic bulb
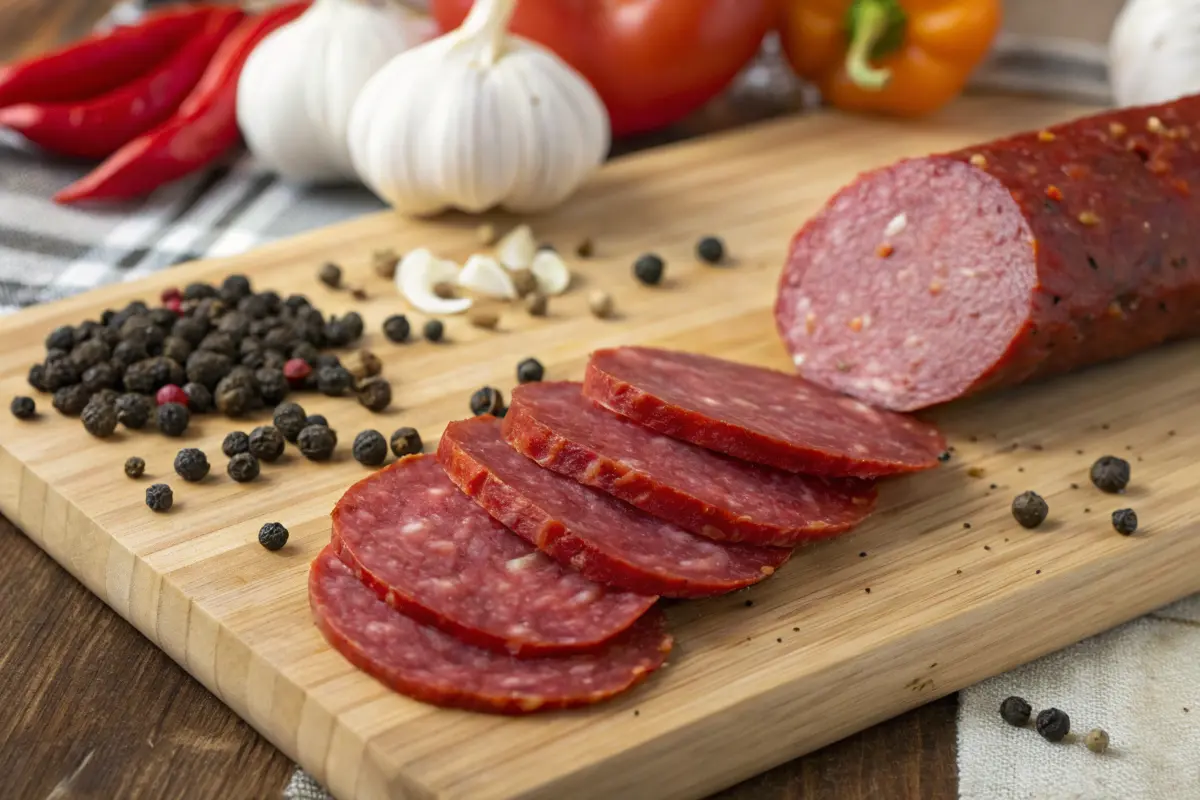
pixel 1154 51
pixel 477 118
pixel 298 86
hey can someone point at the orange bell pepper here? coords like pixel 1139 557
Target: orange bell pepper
pixel 902 57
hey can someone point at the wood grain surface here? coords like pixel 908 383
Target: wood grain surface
pixel 835 642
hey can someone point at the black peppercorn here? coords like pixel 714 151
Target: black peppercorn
pixel 173 419
pixel 70 400
pixel 61 338
pixel 219 342
pixel 530 371
pixel 334 381
pixel 200 399
pixel 190 329
pixel 289 419
pixel 336 334
pixel 135 467
pixel 149 375
pixel 306 352
pixel 253 307
pixel 1110 474
pixel 233 398
pixel 176 349
pixel 375 394
pixel 710 250
pixel 60 373
pixel 191 464
pixel 315 419
pixel 235 442
pixel 243 467
pixel 128 352
pixel 396 328
pixel 199 291
pixel 162 318
pixel 273 536
pixel 235 286
pixel 272 385
pixel 99 417
pixel 37 377
pixel 1015 711
pixel 281 338
pixel 295 302
pixel 486 401
pixel 317 442
pixel 352 321
pixel 99 376
pixel 23 407
pixel 327 360
pixel 266 443
pixel 1125 521
pixel 434 330
pixel 133 410
pixel 370 448
pixel 90 353
pixel 109 396
pixel 406 442
pixel 330 274
pixel 1029 509
pixel 208 367
pixel 1053 724
pixel 649 269
pixel 160 497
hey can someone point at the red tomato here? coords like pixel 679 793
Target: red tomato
pixel 652 61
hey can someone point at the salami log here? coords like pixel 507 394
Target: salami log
pixel 427 550
pixel 434 667
pixel 758 414
pixel 605 539
pixel 700 491
pixel 940 277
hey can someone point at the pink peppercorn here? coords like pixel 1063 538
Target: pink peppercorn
pixel 171 394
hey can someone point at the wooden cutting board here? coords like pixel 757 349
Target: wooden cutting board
pixel 936 592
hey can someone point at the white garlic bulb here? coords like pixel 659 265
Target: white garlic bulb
pixel 1154 51
pixel 297 88
pixel 475 119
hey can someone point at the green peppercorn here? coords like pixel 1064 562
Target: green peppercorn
pixel 235 442
pixel 530 371
pixel 1029 509
pixel 1096 740
pixel 315 419
pixel 133 410
pixel 434 330
pixel 159 497
pixel 710 250
pixel 317 442
pixel 370 448
pixel 1052 724
pixel 334 381
pixel 406 442
pixel 330 274
pixel 99 418
pixel 273 536
pixel 191 464
pixel 243 467
pixel 135 467
pixel 1015 711
pixel 173 418
pixel 23 407
pixel 200 399
pixel 487 400
pixel 1125 521
pixel 649 269
pixel 1110 474
pixel 375 394
pixel 289 419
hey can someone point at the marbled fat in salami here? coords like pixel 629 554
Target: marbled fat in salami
pixel 699 490
pixel 432 553
pixel 430 665
pixel 758 414
pixel 605 539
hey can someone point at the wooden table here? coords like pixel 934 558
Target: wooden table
pixel 92 709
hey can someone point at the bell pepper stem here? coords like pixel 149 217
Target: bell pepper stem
pixel 876 27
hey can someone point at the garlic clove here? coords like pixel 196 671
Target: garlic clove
pixel 551 272
pixel 417 277
pixel 517 249
pixel 484 275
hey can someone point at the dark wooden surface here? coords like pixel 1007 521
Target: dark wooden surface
pixel 91 709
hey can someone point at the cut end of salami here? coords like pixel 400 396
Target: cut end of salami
pixel 701 491
pixel 603 538
pixel 426 549
pixel 758 414
pixel 434 667
pixel 910 286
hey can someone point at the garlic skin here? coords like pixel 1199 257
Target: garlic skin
pixel 1154 51
pixel 297 88
pixel 476 119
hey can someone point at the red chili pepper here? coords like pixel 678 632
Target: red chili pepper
pixel 100 63
pixel 98 127
pixel 203 129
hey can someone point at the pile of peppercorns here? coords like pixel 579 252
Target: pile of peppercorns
pixel 1109 474
pixel 1051 724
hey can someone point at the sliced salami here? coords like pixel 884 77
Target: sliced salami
pixel 427 550
pixel 605 539
pixel 703 492
pixel 427 664
pixel 758 414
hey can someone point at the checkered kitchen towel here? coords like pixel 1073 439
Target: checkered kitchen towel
pixel 1142 681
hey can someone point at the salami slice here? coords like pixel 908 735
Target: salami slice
pixel 700 491
pixel 1009 261
pixel 427 664
pixel 605 539
pixel 426 549
pixel 758 414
